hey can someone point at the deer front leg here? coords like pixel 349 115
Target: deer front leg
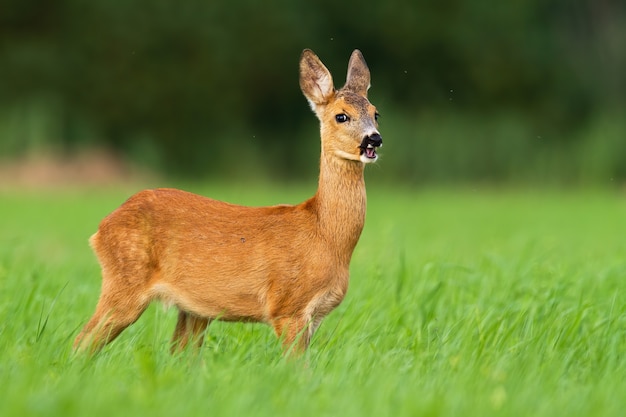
pixel 295 333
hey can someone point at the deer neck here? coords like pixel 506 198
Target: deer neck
pixel 340 203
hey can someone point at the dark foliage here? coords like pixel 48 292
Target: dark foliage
pixel 198 87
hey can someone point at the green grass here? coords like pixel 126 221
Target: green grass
pixel 462 302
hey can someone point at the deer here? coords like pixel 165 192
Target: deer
pixel 283 265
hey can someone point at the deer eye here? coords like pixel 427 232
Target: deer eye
pixel 342 118
pixel 376 116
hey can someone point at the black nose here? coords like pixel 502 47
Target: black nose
pixel 375 140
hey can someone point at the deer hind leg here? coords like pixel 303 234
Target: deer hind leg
pixel 189 328
pixel 117 309
pixel 109 320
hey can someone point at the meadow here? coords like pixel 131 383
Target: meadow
pixel 462 302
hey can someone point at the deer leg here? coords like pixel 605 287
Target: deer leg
pixel 113 314
pixel 189 328
pixel 295 333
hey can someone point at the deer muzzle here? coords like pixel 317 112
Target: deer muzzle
pixel 369 144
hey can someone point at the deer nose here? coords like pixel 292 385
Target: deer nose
pixel 375 140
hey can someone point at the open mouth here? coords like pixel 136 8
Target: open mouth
pixel 369 145
pixel 369 151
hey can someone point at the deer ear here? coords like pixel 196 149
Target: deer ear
pixel 315 79
pixel 358 79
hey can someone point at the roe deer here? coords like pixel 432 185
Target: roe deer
pixel 284 265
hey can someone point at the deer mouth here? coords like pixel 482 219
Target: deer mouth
pixel 369 145
pixel 369 152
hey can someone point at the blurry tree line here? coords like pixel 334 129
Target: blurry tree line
pixel 468 90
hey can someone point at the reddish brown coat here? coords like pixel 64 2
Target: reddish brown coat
pixel 284 265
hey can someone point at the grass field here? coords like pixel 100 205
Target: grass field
pixel 462 303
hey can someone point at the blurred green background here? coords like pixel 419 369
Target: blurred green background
pixel 524 91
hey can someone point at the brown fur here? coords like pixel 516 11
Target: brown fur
pixel 283 265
